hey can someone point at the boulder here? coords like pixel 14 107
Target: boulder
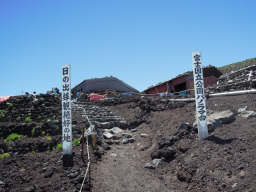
pixel 144 135
pixel 149 166
pixel 125 141
pixel 116 130
pixel 242 109
pixel 127 135
pixel 183 129
pixel 154 164
pixel 131 140
pixel 107 135
pixel 166 153
pixel 2 183
pixel 184 176
pixel 123 124
pixel 166 141
pixel 242 112
pixel 218 118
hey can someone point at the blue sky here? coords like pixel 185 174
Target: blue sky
pixel 141 42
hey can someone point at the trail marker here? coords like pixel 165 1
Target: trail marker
pixel 201 116
pixel 66 117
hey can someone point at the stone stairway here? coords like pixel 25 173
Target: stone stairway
pixel 106 124
pixel 100 117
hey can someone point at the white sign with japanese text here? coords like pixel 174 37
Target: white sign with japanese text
pixel 200 99
pixel 66 111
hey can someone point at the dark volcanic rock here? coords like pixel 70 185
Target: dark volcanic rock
pixel 184 176
pixel 166 141
pixel 48 173
pixel 167 153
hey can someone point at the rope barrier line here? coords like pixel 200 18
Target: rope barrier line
pixel 157 94
pixel 88 165
pixel 87 118
pixel 233 93
pixel 88 154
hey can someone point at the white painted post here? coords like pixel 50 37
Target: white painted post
pixel 66 117
pixel 250 76
pixel 200 99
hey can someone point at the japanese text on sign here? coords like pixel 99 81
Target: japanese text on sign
pixel 199 96
pixel 66 111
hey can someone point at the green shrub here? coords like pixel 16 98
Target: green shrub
pixel 76 142
pixel 59 146
pixel 4 155
pixel 3 113
pixel 12 137
pixel 27 119
pixel 33 152
pixel 10 105
pixel 49 138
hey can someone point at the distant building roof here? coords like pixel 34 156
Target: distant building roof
pixel 105 83
pixel 207 71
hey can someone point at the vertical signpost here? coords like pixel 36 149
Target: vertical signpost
pixel 66 117
pixel 201 117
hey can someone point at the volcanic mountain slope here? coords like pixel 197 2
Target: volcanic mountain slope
pixel 223 162
pixel 30 146
pixel 146 145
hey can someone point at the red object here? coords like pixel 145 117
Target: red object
pixel 96 97
pixel 4 98
pixel 189 83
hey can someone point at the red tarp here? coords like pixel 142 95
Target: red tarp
pixel 4 98
pixel 96 97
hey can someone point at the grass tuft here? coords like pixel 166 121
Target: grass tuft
pixel 27 120
pixel 76 142
pixel 12 137
pixel 59 146
pixel 4 155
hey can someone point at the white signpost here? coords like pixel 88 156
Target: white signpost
pixel 201 117
pixel 66 116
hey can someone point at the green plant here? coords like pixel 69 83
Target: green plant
pixel 59 146
pixel 27 119
pixel 76 142
pixel 10 105
pixel 4 155
pixel 33 152
pixel 49 138
pixel 12 137
pixel 3 113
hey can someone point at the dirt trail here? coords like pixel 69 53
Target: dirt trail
pixel 223 162
pixel 122 170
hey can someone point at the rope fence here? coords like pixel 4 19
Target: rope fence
pixel 88 152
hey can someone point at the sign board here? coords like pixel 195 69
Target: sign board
pixel 66 111
pixel 201 117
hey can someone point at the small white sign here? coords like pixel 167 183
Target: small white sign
pixel 200 99
pixel 66 111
